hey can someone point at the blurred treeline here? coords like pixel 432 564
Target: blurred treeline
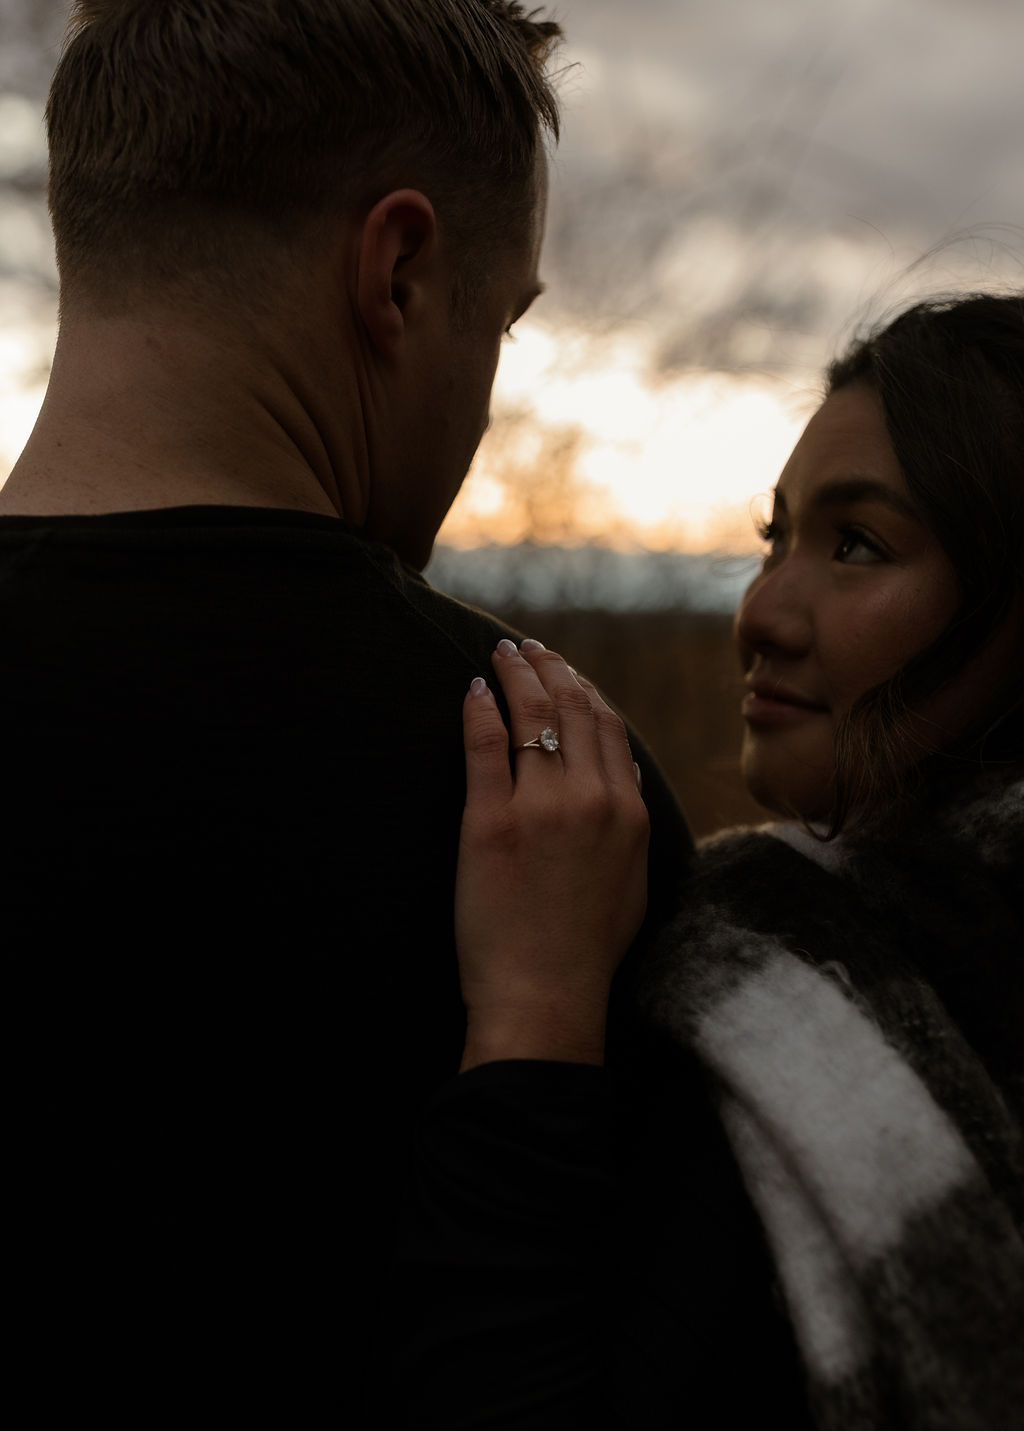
pixel 675 675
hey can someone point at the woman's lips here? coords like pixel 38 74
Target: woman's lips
pixel 772 705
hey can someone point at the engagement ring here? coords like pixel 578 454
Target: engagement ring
pixel 547 740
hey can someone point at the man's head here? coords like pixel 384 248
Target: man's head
pixel 313 219
pixel 192 141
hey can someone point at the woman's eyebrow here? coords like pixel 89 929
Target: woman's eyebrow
pixel 845 490
pixel 865 489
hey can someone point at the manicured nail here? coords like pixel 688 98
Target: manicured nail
pixel 531 645
pixel 478 686
pixel 639 777
pixel 507 647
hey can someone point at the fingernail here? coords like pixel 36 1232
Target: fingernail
pixel 478 686
pixel 639 777
pixel 531 645
pixel 507 647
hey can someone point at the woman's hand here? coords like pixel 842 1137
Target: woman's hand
pixel 552 877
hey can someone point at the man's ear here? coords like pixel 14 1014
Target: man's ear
pixel 395 255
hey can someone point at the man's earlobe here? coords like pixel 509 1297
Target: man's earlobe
pixel 395 254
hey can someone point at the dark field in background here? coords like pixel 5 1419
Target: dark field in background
pixel 676 676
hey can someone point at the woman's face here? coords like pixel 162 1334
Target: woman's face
pixel 853 585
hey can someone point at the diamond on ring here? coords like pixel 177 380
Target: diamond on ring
pixel 547 740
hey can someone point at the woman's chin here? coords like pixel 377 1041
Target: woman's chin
pixel 791 789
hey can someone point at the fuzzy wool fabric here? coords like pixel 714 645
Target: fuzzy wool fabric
pixel 858 1006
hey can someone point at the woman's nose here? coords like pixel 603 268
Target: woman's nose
pixel 775 613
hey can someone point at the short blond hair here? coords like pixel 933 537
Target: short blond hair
pixel 185 133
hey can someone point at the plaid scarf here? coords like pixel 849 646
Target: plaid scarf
pixel 858 1008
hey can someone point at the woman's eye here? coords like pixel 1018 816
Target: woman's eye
pixel 771 534
pixel 856 548
pixel 508 333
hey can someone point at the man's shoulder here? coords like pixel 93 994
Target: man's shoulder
pixel 292 609
pixel 253 564
pixel 469 627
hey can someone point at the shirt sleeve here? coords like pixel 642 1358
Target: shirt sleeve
pixel 499 1270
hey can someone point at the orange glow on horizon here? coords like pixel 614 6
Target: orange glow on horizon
pixel 588 446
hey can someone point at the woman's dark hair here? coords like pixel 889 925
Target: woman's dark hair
pixel 950 376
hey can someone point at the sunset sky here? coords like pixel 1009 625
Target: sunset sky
pixel 740 187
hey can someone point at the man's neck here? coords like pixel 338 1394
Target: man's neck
pixel 142 416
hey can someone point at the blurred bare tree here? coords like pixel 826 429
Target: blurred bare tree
pixel 533 471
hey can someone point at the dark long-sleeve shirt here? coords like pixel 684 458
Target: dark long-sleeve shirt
pixel 576 1254
pixel 232 781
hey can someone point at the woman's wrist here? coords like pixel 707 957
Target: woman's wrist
pixel 562 1030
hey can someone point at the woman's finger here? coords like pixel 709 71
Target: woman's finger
pixel 572 716
pixel 601 737
pixel 610 732
pixel 531 709
pixel 488 780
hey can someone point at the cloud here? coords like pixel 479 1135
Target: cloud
pixel 735 167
